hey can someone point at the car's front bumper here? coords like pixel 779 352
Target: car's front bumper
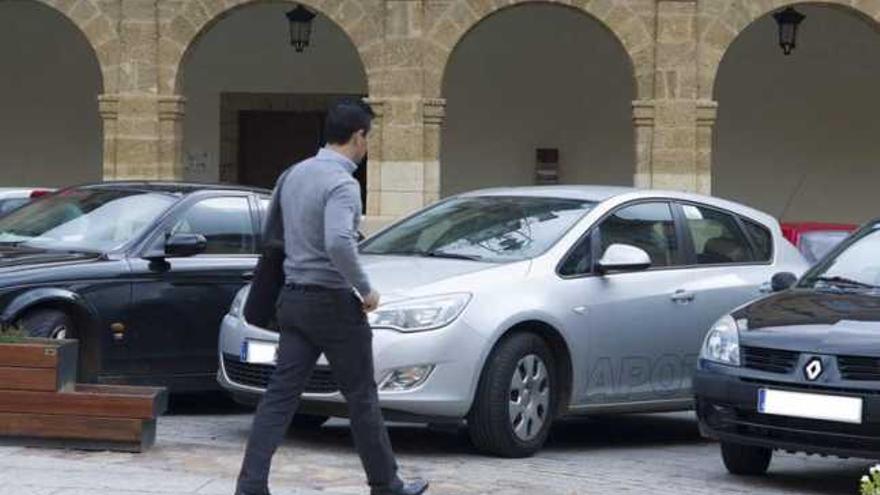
pixel 446 395
pixel 727 407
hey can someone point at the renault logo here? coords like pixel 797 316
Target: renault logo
pixel 813 369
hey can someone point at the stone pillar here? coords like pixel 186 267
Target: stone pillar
pixel 643 120
pixel 108 108
pixel 674 158
pixel 171 113
pixel 707 114
pixel 433 112
pixel 374 162
pixel 137 137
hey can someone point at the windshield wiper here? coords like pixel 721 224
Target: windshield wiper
pixel 844 282
pixel 432 254
pixel 454 256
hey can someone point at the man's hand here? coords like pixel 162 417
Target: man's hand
pixel 371 301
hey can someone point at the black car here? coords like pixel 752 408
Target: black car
pixel 799 370
pixel 140 272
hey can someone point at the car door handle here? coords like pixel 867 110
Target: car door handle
pixel 683 296
pixel 247 276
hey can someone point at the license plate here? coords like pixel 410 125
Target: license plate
pixel 810 406
pixel 257 352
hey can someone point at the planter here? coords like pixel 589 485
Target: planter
pixel 41 403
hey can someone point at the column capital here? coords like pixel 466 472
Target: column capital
pixel 171 108
pixel 108 106
pixel 377 103
pixel 707 113
pixel 644 112
pixel 434 110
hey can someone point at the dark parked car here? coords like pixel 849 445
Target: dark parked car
pixel 799 370
pixel 141 273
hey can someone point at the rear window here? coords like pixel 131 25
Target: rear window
pixel 717 237
pixel 762 239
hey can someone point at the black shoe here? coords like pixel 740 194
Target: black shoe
pixel 415 487
pixel 242 492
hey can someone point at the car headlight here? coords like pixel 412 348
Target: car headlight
pixel 238 303
pixel 722 342
pixel 420 314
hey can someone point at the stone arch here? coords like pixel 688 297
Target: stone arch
pixel 721 23
pixel 98 29
pixel 447 28
pixel 359 19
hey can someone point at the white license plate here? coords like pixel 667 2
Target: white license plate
pixel 810 406
pixel 258 352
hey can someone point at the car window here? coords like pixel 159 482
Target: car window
pixel 856 267
pixel 716 236
pixel 7 205
pixel 649 226
pixel 762 239
pixel 580 260
pixel 815 245
pixel 496 229
pixel 225 223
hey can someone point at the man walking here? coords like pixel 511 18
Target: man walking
pixel 318 310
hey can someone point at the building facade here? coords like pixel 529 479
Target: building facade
pixel 680 94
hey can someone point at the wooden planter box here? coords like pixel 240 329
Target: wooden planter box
pixel 41 403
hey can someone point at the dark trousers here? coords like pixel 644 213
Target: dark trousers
pixel 314 322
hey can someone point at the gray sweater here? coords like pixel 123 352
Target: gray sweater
pixel 320 203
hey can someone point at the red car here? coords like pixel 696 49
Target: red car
pixel 814 240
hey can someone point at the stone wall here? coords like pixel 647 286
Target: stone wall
pixel 675 48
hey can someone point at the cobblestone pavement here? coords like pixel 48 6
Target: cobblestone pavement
pixel 199 450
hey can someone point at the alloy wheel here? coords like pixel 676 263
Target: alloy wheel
pixel 529 403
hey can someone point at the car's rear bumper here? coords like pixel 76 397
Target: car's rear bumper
pixel 726 406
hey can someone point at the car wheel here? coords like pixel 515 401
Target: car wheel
pixel 745 460
pixel 307 422
pixel 516 398
pixel 47 323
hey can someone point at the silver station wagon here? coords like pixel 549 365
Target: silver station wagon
pixel 509 308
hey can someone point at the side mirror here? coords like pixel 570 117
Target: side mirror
pixel 184 245
pixel 623 258
pixel 360 236
pixel 783 281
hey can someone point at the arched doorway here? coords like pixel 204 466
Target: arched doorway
pixel 253 104
pixel 50 129
pixel 796 135
pixel 537 93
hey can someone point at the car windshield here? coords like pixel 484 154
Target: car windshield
pixel 486 228
pixel 856 267
pixel 815 245
pixel 95 220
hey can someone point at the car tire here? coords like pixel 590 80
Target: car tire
pixel 516 398
pixel 47 323
pixel 745 460
pixel 307 422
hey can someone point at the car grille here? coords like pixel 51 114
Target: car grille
pixel 859 368
pixel 771 360
pixel 258 375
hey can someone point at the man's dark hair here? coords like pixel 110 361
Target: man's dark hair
pixel 345 118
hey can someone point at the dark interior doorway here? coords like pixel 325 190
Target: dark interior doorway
pixel 271 141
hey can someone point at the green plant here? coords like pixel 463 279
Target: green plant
pixel 12 333
pixel 871 482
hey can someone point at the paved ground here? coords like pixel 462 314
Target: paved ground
pixel 200 445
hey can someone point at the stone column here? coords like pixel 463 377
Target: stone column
pixel 374 163
pixel 674 159
pixel 108 108
pixel 171 113
pixel 137 134
pixel 433 114
pixel 707 114
pixel 643 120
